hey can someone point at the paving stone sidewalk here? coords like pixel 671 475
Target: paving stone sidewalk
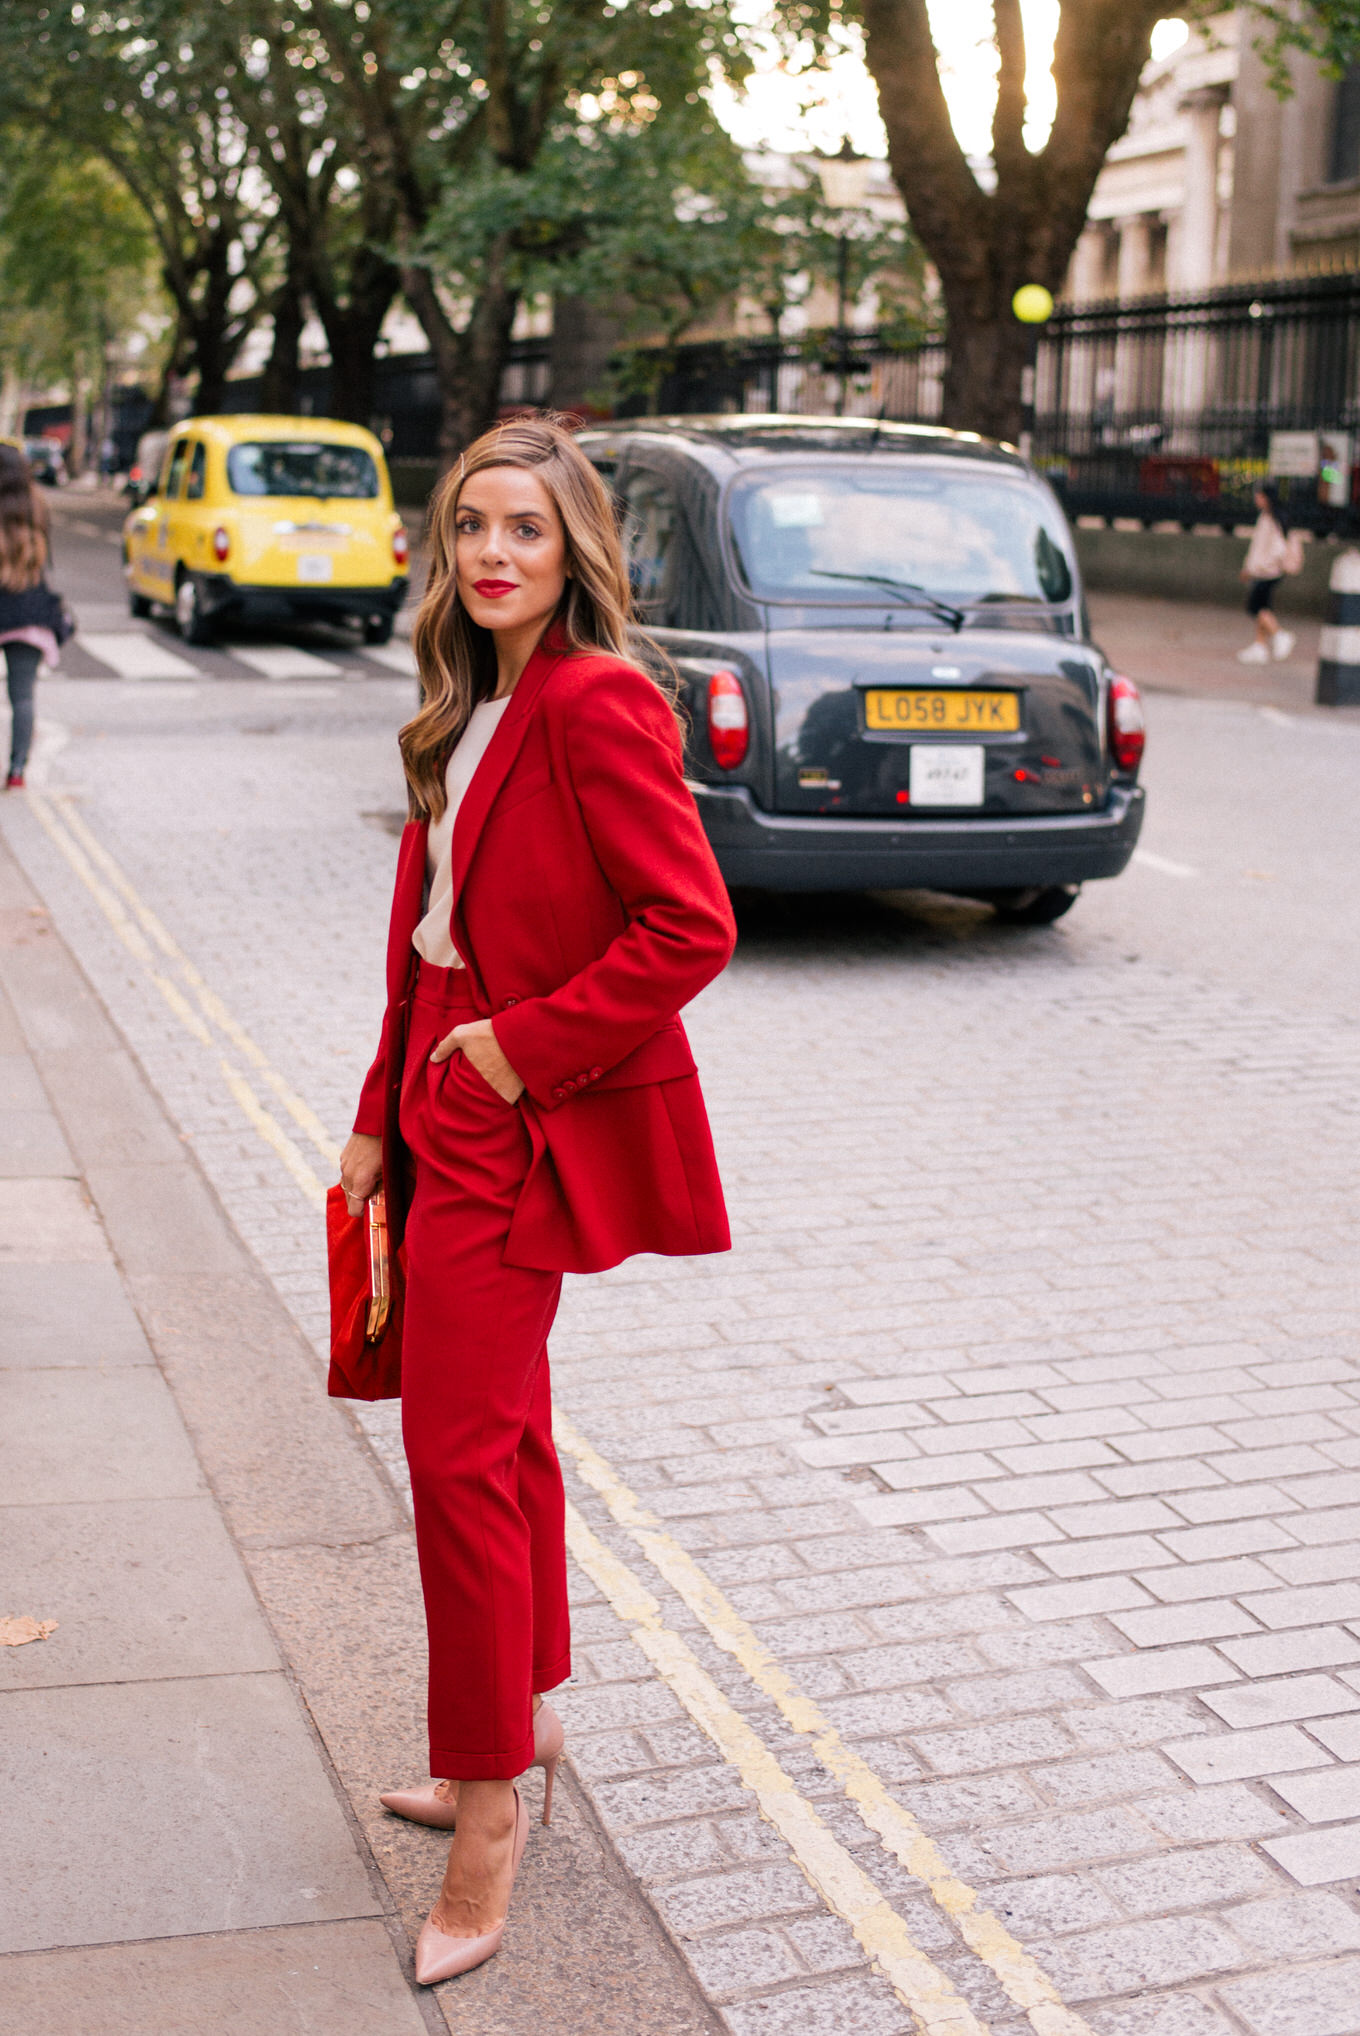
pixel 232 1664
pixel 1022 1426
pixel 174 1851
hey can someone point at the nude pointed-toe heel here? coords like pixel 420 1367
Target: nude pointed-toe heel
pixel 441 1957
pixel 422 1806
pixel 549 1739
pixel 425 1806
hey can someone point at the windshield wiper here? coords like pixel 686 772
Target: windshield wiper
pixel 906 590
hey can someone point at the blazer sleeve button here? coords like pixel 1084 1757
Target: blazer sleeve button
pixel 558 1095
pixel 595 1073
pixel 506 1002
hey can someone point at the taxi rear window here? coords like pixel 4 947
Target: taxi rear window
pixel 311 467
pixel 838 532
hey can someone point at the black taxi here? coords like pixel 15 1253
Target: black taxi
pixel 886 657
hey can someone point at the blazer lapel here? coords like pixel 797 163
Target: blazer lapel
pixel 491 772
pixel 407 904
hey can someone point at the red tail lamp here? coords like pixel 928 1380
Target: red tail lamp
pixel 1127 728
pixel 401 547
pixel 221 545
pixel 729 724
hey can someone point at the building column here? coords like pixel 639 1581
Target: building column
pixel 1197 241
pixel 1086 276
pixel 1135 257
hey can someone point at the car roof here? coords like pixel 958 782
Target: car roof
pixel 231 428
pixel 746 438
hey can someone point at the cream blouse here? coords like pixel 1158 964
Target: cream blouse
pixel 431 938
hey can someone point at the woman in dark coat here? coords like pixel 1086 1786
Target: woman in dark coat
pixel 26 634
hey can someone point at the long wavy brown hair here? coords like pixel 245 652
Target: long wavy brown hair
pixel 455 655
pixel 23 524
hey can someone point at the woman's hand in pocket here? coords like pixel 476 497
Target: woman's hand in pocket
pixel 360 1170
pixel 478 1043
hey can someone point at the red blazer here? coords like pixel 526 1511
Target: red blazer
pixel 588 909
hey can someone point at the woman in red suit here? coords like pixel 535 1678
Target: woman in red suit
pixel 534 1107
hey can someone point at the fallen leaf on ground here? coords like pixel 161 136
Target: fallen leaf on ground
pixel 18 1631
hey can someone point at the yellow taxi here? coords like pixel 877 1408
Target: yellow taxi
pixel 268 519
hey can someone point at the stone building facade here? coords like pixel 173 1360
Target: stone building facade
pixel 1219 179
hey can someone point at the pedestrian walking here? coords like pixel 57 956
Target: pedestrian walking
pixel 534 1107
pixel 1274 551
pixel 30 612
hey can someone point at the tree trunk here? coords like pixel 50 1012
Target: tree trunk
pixel 171 373
pixel 216 338
pixel 352 331
pixel 279 382
pixel 11 409
pixel 584 336
pixel 80 418
pixel 213 355
pixel 986 244
pixel 469 364
pixel 988 347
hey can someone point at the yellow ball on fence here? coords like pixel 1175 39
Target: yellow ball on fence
pixel 1032 304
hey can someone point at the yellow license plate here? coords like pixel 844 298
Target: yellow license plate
pixel 907 711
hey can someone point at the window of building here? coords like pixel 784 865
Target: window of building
pixel 1343 156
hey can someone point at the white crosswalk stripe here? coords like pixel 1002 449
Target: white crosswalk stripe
pixel 284 661
pixel 398 656
pixel 133 655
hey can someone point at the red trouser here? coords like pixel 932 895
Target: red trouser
pixel 476 1410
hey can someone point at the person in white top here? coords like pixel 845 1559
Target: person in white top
pixel 1272 553
pixel 431 938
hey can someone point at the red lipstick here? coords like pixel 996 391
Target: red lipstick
pixel 493 589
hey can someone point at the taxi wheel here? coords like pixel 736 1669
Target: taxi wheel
pixel 193 624
pixel 377 629
pixel 1035 908
pixel 139 606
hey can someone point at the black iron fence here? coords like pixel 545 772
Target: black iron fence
pixel 406 395
pixel 1169 409
pixel 1178 407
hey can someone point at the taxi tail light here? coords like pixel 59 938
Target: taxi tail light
pixel 221 545
pixel 729 724
pixel 1127 728
pixel 401 547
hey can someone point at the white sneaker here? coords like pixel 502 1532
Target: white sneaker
pixel 1282 644
pixel 1254 654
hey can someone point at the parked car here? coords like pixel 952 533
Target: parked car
pixel 268 518
pixel 885 654
pixel 47 461
pixel 146 465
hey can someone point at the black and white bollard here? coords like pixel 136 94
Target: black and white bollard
pixel 1338 678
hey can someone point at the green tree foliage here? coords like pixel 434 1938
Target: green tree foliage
pixel 296 155
pixel 335 224
pixel 509 136
pixel 71 293
pixel 1325 29
pixel 136 86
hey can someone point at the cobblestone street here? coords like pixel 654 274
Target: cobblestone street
pixel 968 1567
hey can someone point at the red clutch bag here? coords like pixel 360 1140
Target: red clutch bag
pixel 367 1292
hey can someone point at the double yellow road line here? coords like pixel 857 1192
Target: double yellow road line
pixel 199 1009
pixel 842 1883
